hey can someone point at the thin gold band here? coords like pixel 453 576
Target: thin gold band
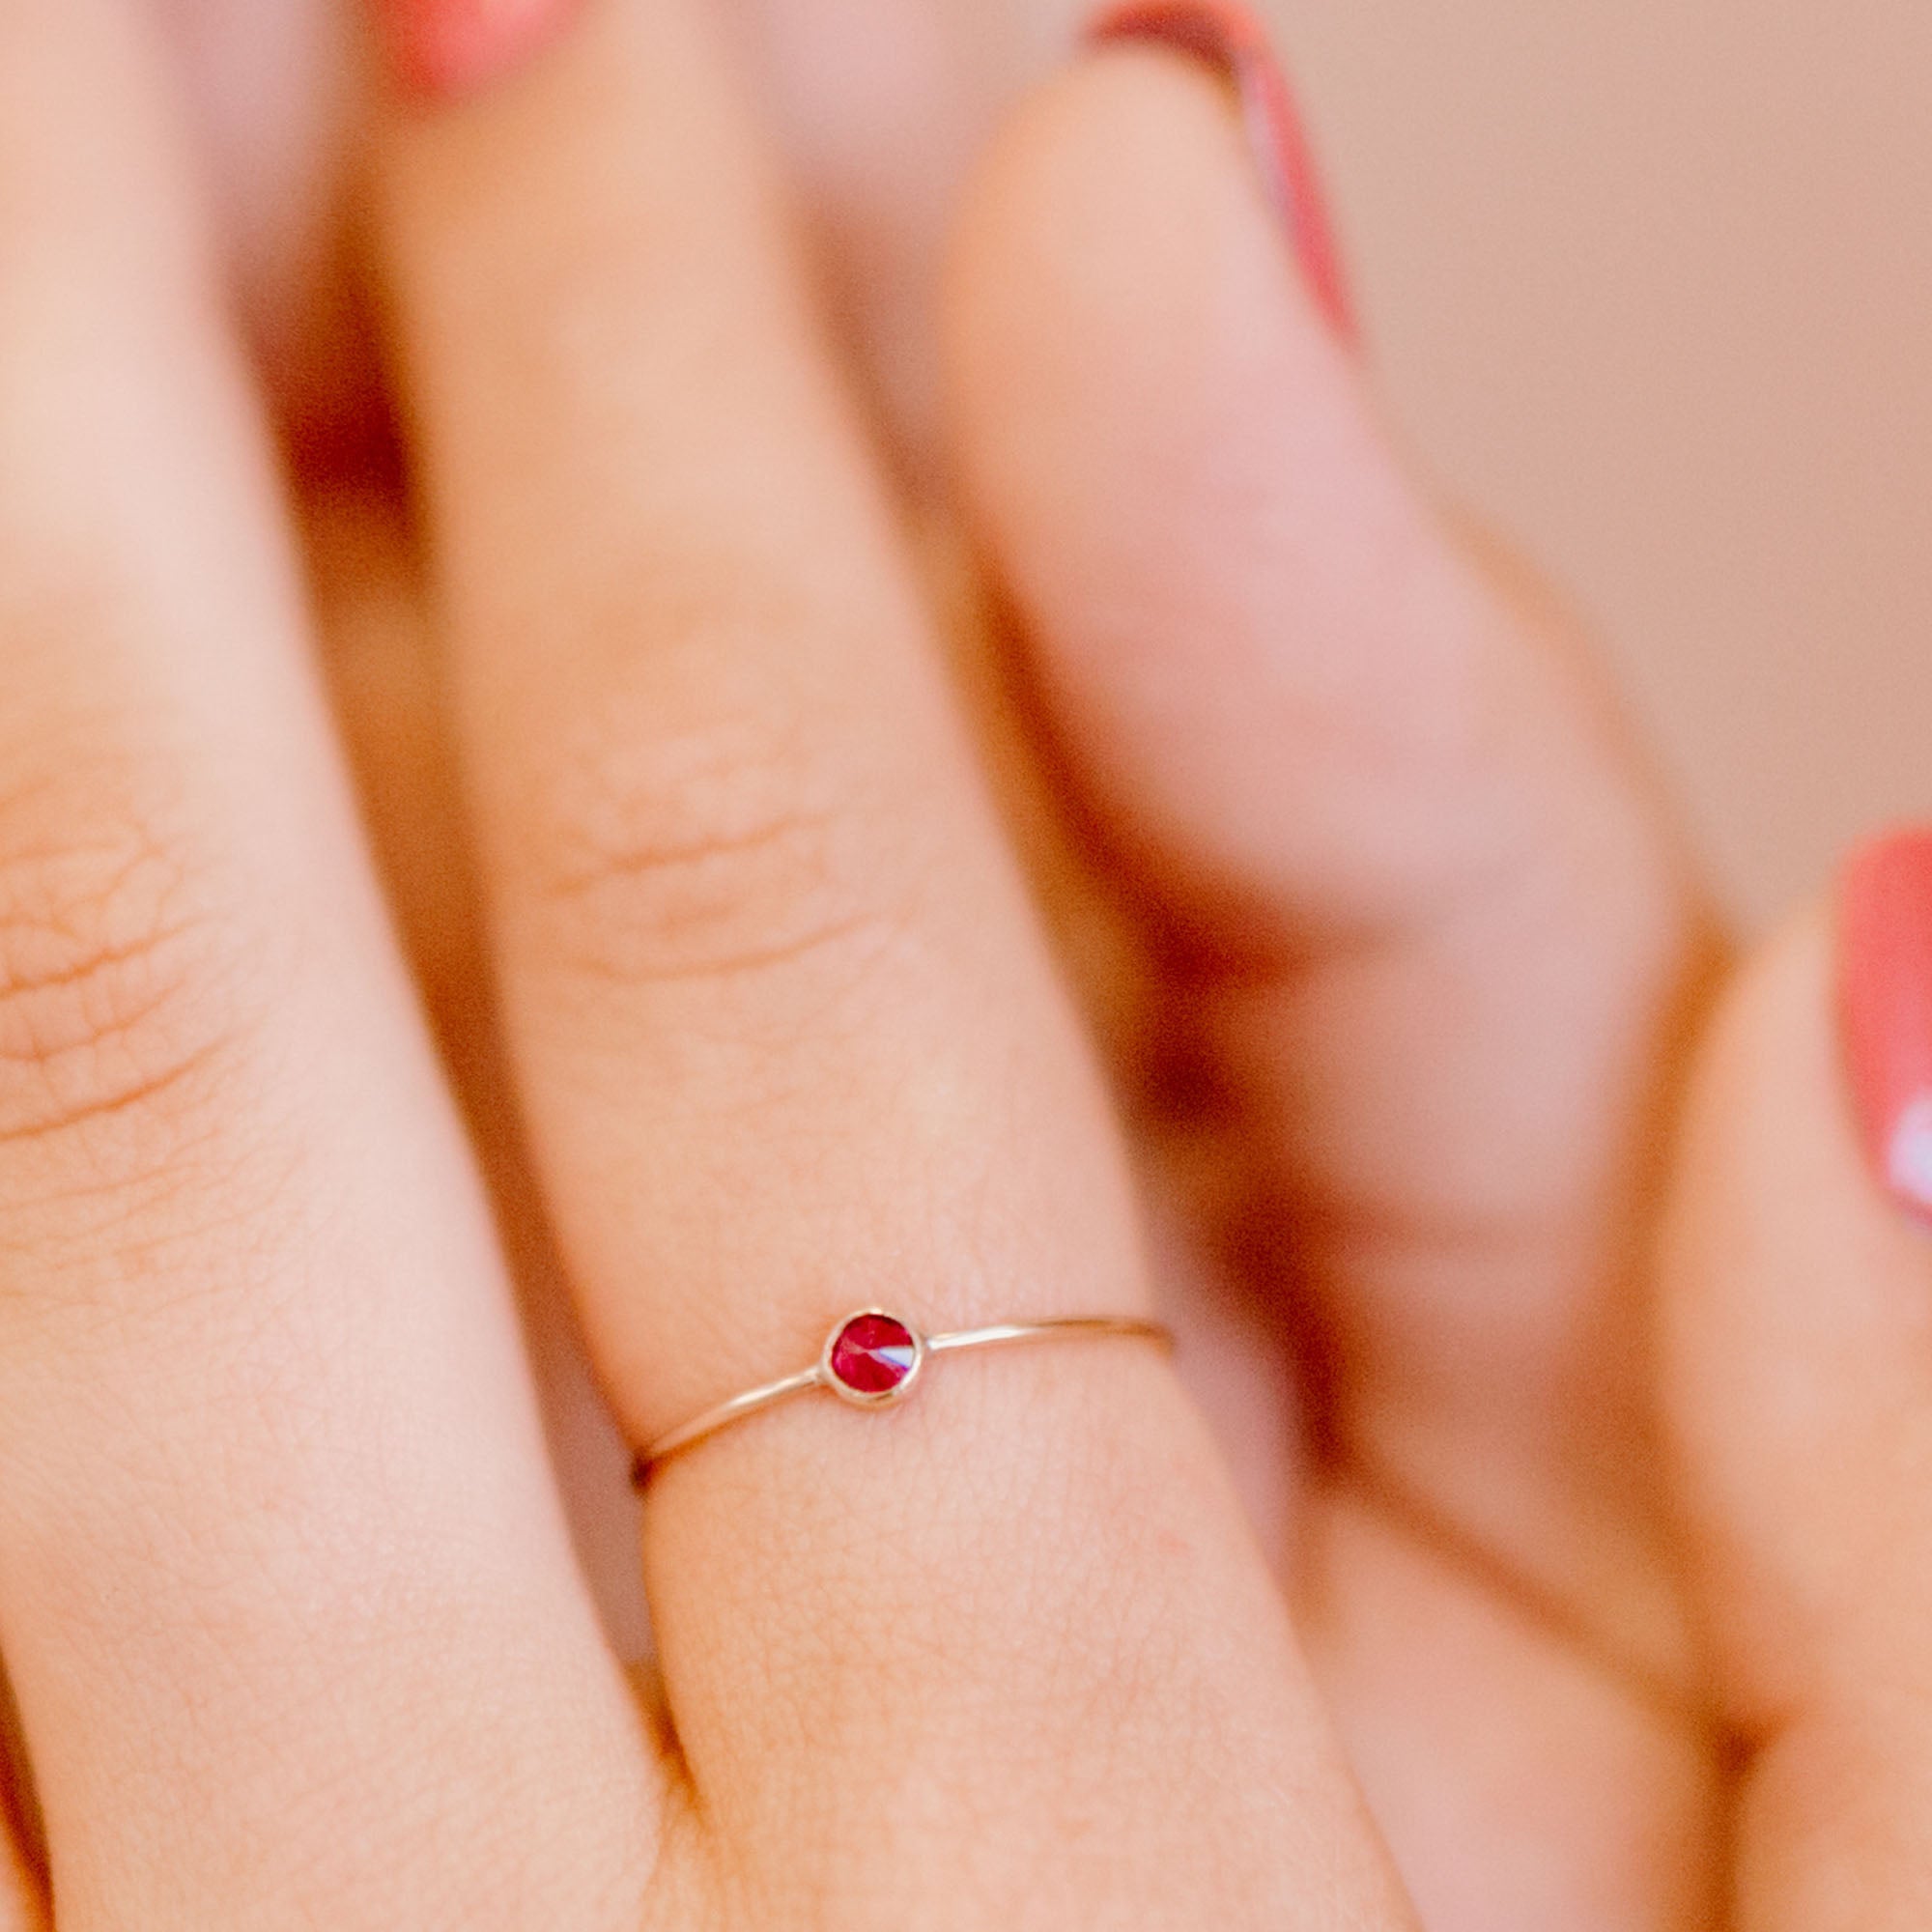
pixel 914 1349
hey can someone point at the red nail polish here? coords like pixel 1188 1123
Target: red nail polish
pixel 1884 997
pixel 1230 39
pixel 445 48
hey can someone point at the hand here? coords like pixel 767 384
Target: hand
pixel 273 1413
pixel 293 1627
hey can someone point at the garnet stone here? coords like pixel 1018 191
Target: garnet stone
pixel 872 1356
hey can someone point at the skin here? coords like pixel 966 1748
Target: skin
pixel 1352 954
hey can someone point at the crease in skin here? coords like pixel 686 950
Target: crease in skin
pixel 22 1826
pixel 1410 1513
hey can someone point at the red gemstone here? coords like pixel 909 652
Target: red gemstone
pixel 872 1355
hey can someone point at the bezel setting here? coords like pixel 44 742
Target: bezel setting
pixel 860 1398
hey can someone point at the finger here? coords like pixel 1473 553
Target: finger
pixel 1797 1282
pixel 273 94
pixel 278 98
pixel 789 1044
pixel 1439 926
pixel 1427 947
pixel 283 1592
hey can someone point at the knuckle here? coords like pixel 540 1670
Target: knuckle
pixel 120 992
pixel 722 851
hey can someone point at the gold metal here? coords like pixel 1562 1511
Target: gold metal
pixel 1000 1335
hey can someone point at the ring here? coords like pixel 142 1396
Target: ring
pixel 874 1359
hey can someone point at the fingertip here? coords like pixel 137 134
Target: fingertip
pixel 1796 1305
pixel 1814 1087
pixel 1797 1297
pixel 1171 458
pixel 1121 206
pixel 445 50
pixel 1884 1008
pixel 1236 43
pixel 1764 1118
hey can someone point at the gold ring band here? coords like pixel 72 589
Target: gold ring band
pixel 874 1359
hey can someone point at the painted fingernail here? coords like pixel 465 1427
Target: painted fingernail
pixel 1235 42
pixel 444 47
pixel 1885 992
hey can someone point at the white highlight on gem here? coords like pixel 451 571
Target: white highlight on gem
pixel 1908 1161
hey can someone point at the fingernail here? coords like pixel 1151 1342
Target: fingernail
pixel 1885 992
pixel 1232 40
pixel 445 48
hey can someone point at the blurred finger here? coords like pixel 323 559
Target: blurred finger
pixel 884 106
pixel 1798 1280
pixel 1436 929
pixel 1426 946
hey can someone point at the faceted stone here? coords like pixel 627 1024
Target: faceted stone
pixel 872 1355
